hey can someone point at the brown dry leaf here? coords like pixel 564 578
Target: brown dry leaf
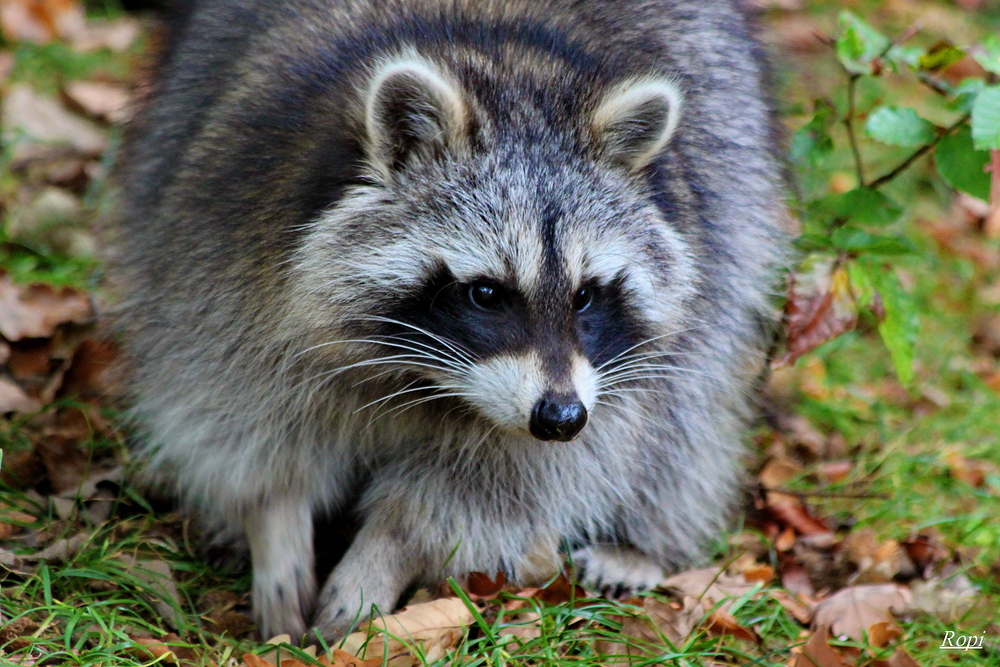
pixel 834 471
pixel 34 311
pixel 168 648
pixel 817 652
pixel 820 307
pixel 758 572
pixel 723 623
pixel 11 520
pixel 117 35
pixel 45 120
pixel 671 621
pixel 883 632
pixel 971 471
pixel 345 659
pixel 710 586
pixel 98 99
pixel 523 627
pixel 40 21
pixel 92 370
pixel 434 627
pixel 947 596
pixel 789 511
pixel 14 399
pixel 61 550
pixel 851 611
pixel 480 586
pixel 159 578
pixel 800 609
pixel 251 660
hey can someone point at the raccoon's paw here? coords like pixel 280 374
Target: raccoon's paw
pixel 348 599
pixel 283 603
pixel 615 572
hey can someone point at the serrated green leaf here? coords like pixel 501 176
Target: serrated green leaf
pixel 813 243
pixel 939 56
pixel 901 325
pixel 854 240
pixel 961 166
pixel 899 126
pixel 811 142
pixel 859 44
pixel 861 283
pixel 906 55
pixel 986 119
pixel 964 95
pixel 988 54
pixel 862 206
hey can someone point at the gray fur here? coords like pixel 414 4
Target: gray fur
pixel 254 300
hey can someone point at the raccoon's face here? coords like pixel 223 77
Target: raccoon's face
pixel 520 280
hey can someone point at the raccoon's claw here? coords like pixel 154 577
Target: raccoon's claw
pixel 615 572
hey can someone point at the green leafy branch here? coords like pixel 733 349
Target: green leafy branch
pixel 850 261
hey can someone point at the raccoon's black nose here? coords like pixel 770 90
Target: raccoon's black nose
pixel 558 418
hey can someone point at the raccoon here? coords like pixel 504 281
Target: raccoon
pixel 493 275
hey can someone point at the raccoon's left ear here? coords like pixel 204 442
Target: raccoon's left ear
pixel 635 120
pixel 412 107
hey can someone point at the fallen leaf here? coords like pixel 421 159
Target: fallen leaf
pixel 481 586
pixel 523 627
pixel 97 99
pixel 61 550
pixel 723 623
pixel 14 399
pixel 345 659
pixel 851 611
pixel 883 632
pixel 158 577
pixel 434 627
pixel 660 623
pixel 35 310
pixel 817 652
pixel 820 307
pixel 44 120
pixel 117 35
pixel 947 597
pixel 168 648
pixel 40 21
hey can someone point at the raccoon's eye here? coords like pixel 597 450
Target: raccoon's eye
pixel 583 298
pixel 486 295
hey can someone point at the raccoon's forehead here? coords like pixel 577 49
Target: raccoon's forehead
pixel 555 229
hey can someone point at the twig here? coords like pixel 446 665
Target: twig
pixel 916 155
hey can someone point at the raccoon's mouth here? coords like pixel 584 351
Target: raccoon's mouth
pixel 558 417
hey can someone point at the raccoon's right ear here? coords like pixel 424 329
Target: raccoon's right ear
pixel 412 108
pixel 635 120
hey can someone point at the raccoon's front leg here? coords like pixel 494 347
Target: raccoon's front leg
pixel 284 580
pixel 615 571
pixel 368 581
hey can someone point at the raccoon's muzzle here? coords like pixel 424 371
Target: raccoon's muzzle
pixel 558 418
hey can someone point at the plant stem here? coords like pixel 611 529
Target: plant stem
pixel 849 124
pixel 901 167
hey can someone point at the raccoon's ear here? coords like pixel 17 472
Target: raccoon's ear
pixel 636 119
pixel 411 108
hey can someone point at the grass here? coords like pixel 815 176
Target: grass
pixel 90 609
